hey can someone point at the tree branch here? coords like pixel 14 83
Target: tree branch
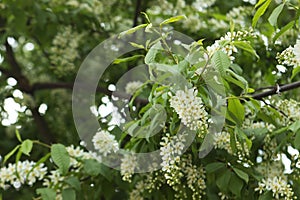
pixel 276 89
pixel 137 12
pixel 25 86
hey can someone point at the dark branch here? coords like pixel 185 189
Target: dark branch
pixel 24 85
pixel 274 90
pixel 61 85
pixel 137 12
pixel 45 86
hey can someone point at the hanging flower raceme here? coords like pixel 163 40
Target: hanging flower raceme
pixel 22 173
pixel 128 165
pixel 190 109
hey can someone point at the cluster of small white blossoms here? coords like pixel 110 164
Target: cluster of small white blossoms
pixel 275 180
pixel 290 108
pixel 105 142
pixel 137 192
pixel 128 165
pixel 256 125
pixel 190 109
pixel 290 56
pixel 78 153
pixel 279 187
pixel 239 14
pixel 152 181
pixel 132 87
pixel 229 49
pixel 269 149
pixel 64 50
pixel 54 180
pixel 201 5
pixel 171 149
pixel 22 173
pixel 287 57
pixel 195 176
pixel 222 141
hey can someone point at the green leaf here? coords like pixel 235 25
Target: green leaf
pixel 122 60
pixel 146 16
pixel 150 56
pixel 41 160
pixel 46 193
pixel 243 175
pixel 261 10
pixel 18 135
pixel 221 61
pixel 68 194
pixel 173 19
pixel 132 30
pixel 26 147
pixel 296 71
pixel 259 3
pixel 274 16
pixel 246 46
pixel 236 110
pixel 242 82
pixel 73 182
pixel 7 156
pixel 297 140
pixel 283 30
pixel 266 196
pixel 60 157
pixel 215 166
pixel 139 46
pixel 91 167
pixel 223 180
pixel 295 126
pixel 236 185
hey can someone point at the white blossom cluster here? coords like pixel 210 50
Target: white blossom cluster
pixel 105 142
pixel 22 173
pixel 278 186
pixel 287 57
pixel 239 14
pixel 201 5
pixel 132 87
pixel 190 109
pixel 64 50
pixel 54 180
pixel 296 51
pixel 137 192
pixel 152 181
pixel 229 49
pixel 222 141
pixel 261 124
pixel 78 153
pixel 171 149
pixel 128 165
pixel 92 6
pixel 195 176
pixel 290 108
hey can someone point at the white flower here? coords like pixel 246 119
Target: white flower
pixel 105 142
pixel 296 51
pixel 132 87
pixel 53 180
pixel 77 152
pixel 27 174
pixel 190 109
pixel 128 165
